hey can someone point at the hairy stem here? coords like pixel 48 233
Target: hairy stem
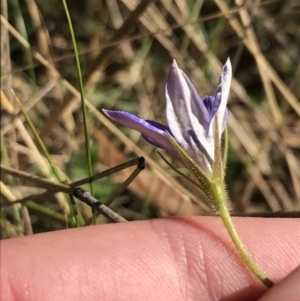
pixel 219 195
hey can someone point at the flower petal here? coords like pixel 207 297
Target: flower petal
pixel 187 115
pixel 154 131
pixel 225 83
pixel 158 126
pixel 219 107
pixel 198 107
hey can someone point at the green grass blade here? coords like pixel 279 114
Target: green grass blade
pixel 83 106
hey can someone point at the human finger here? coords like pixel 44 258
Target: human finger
pixel 163 259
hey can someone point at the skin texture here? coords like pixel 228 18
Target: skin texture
pixel 163 259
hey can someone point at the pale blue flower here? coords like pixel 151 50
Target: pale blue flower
pixel 190 117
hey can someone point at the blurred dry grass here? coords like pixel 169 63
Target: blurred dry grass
pixel 125 55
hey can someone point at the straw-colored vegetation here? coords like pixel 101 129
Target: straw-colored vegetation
pixel 125 50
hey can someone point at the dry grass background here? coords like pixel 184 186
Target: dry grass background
pixel 126 48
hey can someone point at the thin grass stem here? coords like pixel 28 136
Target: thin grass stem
pixel 107 172
pixel 83 106
pixel 125 184
pixel 50 213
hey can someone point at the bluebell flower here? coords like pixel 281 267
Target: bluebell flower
pixel 194 136
pixel 190 118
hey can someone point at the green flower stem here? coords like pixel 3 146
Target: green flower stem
pixel 218 193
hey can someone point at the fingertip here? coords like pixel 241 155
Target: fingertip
pixel 175 258
pixel 287 289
